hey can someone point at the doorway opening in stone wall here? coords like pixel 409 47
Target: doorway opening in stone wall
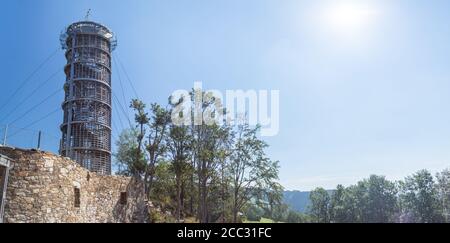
pixel 3 184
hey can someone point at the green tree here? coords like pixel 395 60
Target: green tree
pixel 157 125
pixel 381 196
pixel 280 212
pixel 274 196
pixel 443 180
pixel 420 198
pixel 319 207
pixel 372 200
pixel 125 157
pixel 203 162
pixel 253 174
pixel 141 119
pixel 155 146
pixel 208 142
pixel 338 209
pixel 164 194
pixel 352 204
pixel 179 144
pixel 254 213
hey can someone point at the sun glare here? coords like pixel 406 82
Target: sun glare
pixel 349 19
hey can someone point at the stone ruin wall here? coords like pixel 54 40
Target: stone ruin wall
pixel 42 188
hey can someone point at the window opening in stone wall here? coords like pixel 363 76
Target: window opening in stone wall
pixel 77 201
pixel 123 198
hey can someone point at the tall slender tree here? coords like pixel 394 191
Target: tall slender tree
pixel 154 129
pixel 155 146
pixel 179 144
pixel 141 119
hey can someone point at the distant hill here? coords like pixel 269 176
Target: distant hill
pixel 298 201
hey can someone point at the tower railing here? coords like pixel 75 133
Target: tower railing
pixel 86 128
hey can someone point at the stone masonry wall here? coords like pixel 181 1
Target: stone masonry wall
pixel 41 188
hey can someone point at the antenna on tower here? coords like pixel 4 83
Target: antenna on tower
pixel 88 14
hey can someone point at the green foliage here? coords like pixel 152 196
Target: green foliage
pixel 380 200
pixel 443 186
pixel 372 200
pixel 376 200
pixel 254 213
pixel 125 157
pixel 209 171
pixel 295 217
pixel 420 198
pixel 339 211
pixel 279 213
pixel 149 146
pixel 179 144
pixel 253 175
pixel 217 173
pixel 320 200
pixel 163 188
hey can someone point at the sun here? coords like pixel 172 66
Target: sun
pixel 349 19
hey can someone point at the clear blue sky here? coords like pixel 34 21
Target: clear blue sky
pixel 365 85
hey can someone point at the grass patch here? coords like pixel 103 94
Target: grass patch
pixel 262 221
